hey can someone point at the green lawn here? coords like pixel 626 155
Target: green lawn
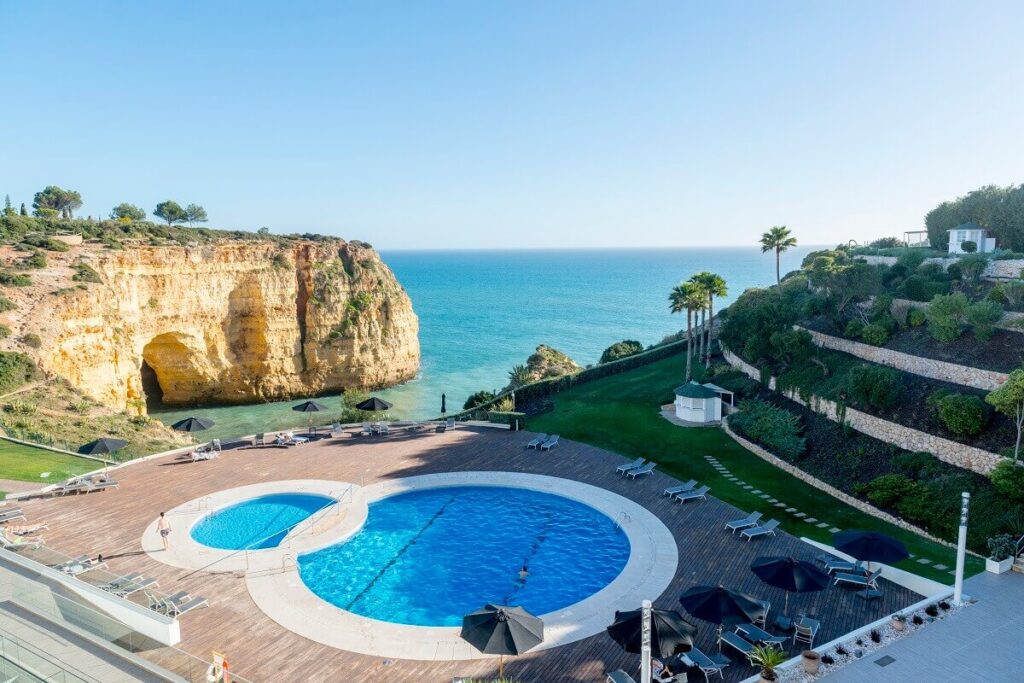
pixel 620 413
pixel 25 463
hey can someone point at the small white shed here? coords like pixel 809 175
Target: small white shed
pixel 700 403
pixel 970 232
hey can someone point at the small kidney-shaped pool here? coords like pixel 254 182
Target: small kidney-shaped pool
pixel 257 523
pixel 431 556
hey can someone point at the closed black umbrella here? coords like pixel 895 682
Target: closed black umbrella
pixel 870 546
pixel 670 633
pixel 443 407
pixel 796 576
pixel 308 407
pixel 721 606
pixel 373 405
pixel 103 445
pixel 501 630
pixel 192 424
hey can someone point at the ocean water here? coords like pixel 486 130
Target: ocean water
pixel 481 312
pixel 429 557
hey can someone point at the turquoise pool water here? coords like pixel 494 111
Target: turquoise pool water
pixel 257 523
pixel 430 557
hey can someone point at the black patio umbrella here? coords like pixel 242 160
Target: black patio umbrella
pixel 373 405
pixel 670 633
pixel 443 407
pixel 192 424
pixel 870 546
pixel 501 630
pixel 721 606
pixel 103 445
pixel 792 576
pixel 308 407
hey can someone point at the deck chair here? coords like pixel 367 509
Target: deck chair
pixel 837 565
pixel 869 581
pixel 536 441
pixel 11 515
pixel 19 542
pixel 805 631
pixel 550 443
pixel 367 429
pixel 180 607
pixel 641 471
pixel 738 643
pixel 336 430
pixel 619 676
pixel 260 440
pixel 707 666
pixel 697 494
pixel 682 488
pixel 768 528
pixel 450 424
pixel 622 469
pixel 737 524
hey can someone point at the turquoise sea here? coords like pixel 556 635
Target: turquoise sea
pixel 481 312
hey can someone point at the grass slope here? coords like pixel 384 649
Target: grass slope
pixel 25 463
pixel 621 414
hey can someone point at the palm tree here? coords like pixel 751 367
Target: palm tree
pixel 778 239
pixel 713 285
pixel 689 297
pixel 519 376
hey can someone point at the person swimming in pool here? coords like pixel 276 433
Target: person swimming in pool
pixel 523 573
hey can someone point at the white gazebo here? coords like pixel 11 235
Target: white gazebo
pixel 700 403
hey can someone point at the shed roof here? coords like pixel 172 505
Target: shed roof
pixel 969 225
pixel 694 390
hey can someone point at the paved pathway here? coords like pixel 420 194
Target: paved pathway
pixel 980 643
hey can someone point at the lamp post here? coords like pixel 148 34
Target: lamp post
pixel 645 642
pixel 961 549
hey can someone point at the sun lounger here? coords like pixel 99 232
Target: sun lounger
pixel 619 676
pixel 682 488
pixel 142 583
pixel 737 643
pixel 550 443
pixel 869 581
pixel 738 524
pixel 74 569
pixel 100 486
pixel 11 515
pixel 756 634
pixel 18 542
pixel 766 529
pixel 27 529
pixel 180 608
pixel 622 469
pixel 641 471
pixel 450 424
pixel 536 441
pixel 836 565
pixel 337 430
pixel 707 666
pixel 701 494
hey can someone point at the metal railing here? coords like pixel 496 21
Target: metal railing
pixel 74 615
pixel 1019 546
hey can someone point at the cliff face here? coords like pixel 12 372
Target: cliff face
pixel 230 322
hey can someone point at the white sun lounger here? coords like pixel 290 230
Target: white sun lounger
pixel 762 530
pixel 701 493
pixel 536 441
pixel 869 581
pixel 682 488
pixel 737 524
pixel 10 515
pixel 619 676
pixel 550 443
pixel 18 542
pixel 640 471
pixel 622 469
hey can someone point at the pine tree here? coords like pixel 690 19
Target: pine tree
pixel 23 211
pixel 8 209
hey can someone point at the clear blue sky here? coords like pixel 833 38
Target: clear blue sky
pixel 486 124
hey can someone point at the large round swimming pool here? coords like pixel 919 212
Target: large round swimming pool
pixel 258 522
pixel 431 556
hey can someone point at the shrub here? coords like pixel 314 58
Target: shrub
pixel 6 304
pixel 32 341
pixel 854 328
pixel 917 465
pixel 622 349
pixel 962 414
pixel 1008 479
pixel 874 386
pixel 1001 547
pixel 916 317
pixel 1013 292
pixel 968 246
pixel 947 316
pixel 477 399
pixel 983 317
pixel 5 332
pixel 875 334
pixel 85 273
pixel 776 428
pixel 14 279
pixel 972 266
pixel 889 489
pixel 997 295
pixel 15 370
pixel 36 260
pixel 919 288
pixel 888 243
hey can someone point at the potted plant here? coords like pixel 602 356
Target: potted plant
pixel 899 622
pixel 1001 549
pixel 768 658
pixel 811 660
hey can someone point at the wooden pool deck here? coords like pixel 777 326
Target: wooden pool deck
pixel 112 523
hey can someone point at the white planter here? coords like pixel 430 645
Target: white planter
pixel 998 566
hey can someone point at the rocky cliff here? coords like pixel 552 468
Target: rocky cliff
pixel 228 322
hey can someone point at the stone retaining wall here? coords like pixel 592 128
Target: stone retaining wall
pixel 965 457
pixel 822 486
pixel 995 270
pixel 918 365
